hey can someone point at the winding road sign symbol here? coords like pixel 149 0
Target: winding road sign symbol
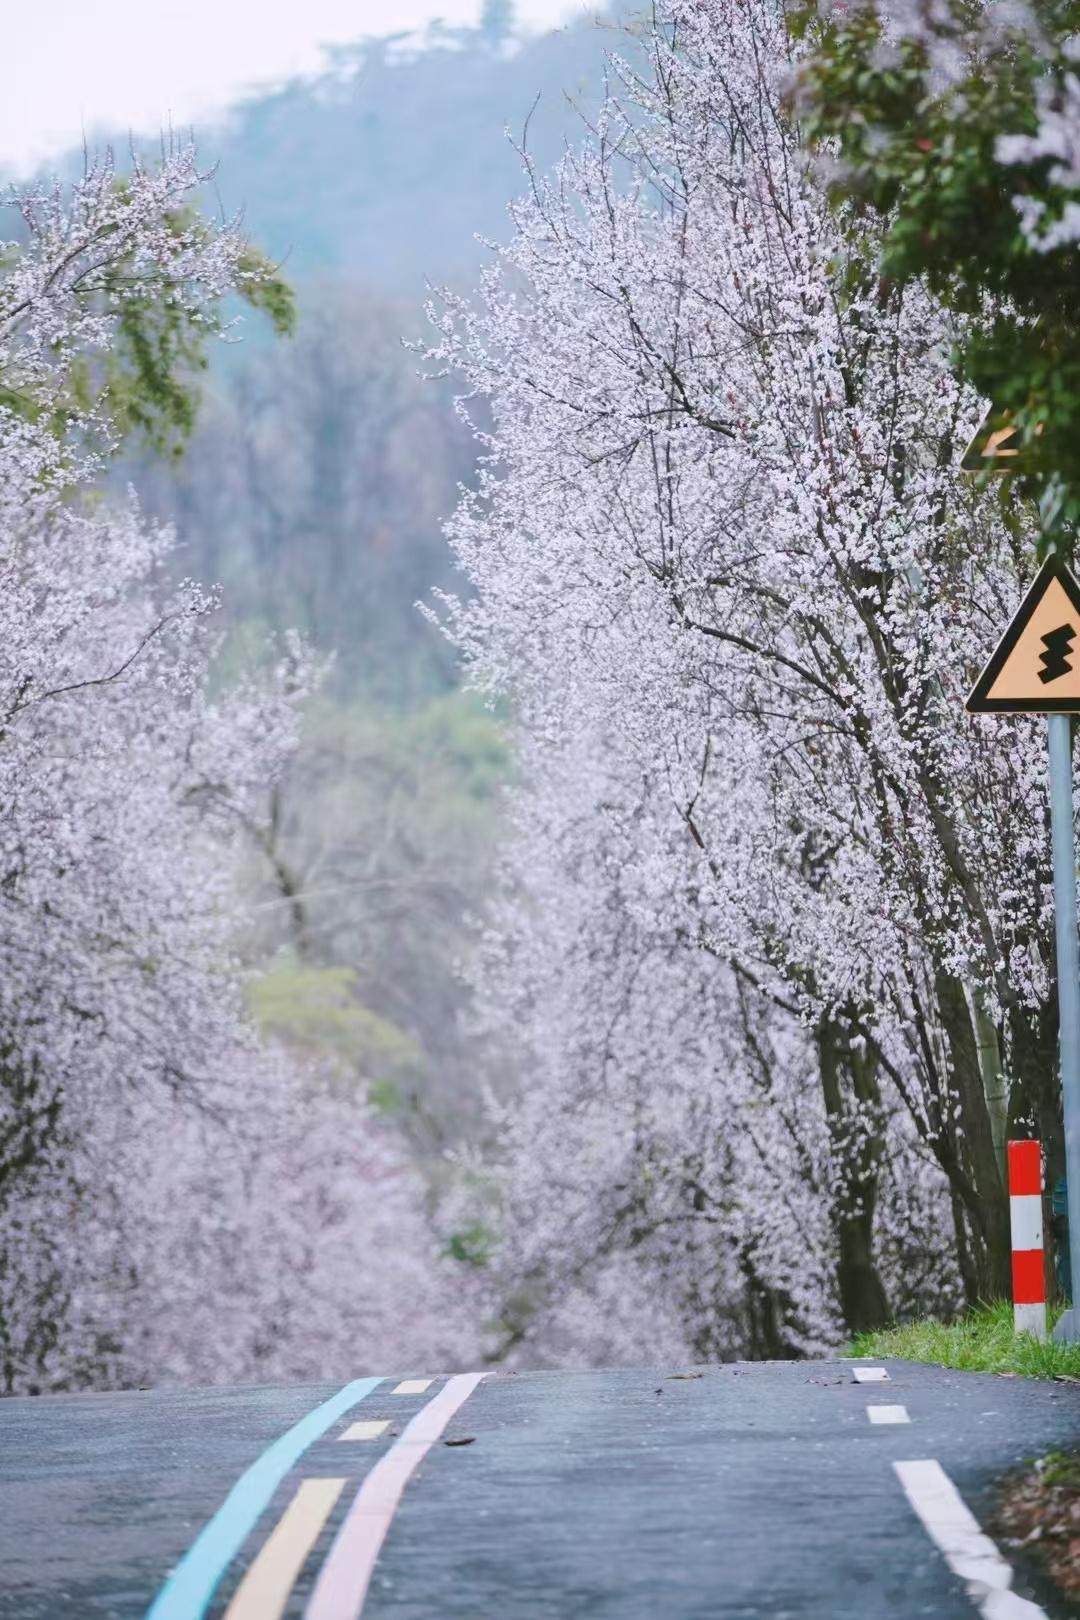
pixel 1035 668
pixel 1055 659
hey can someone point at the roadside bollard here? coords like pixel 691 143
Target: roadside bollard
pixel 1025 1211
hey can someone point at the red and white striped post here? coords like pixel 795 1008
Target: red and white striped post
pixel 1025 1210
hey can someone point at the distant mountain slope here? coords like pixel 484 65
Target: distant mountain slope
pixel 321 470
pixel 314 489
pixel 387 165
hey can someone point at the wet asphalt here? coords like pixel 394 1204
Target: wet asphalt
pixel 752 1490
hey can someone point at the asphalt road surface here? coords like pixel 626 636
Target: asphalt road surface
pixel 777 1490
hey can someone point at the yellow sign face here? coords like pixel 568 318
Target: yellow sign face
pixel 997 445
pixel 1035 668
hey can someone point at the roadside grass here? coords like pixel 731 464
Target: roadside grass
pixel 981 1341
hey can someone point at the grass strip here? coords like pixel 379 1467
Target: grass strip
pixel 981 1341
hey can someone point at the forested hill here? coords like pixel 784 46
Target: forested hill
pixel 314 490
pixel 388 165
pixel 321 469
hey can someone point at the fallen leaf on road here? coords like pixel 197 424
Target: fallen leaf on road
pixel 466 1440
pixel 1039 1510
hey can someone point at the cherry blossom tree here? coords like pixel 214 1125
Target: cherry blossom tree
pixel 722 558
pixel 176 1202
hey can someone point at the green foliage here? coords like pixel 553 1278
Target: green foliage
pixel 150 379
pixel 385 833
pixel 1061 1468
pixel 983 1341
pixel 472 1245
pixel 152 375
pixel 385 1096
pixel 918 156
pixel 468 741
pixel 317 1008
pixel 264 288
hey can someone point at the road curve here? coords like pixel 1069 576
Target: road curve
pixel 775 1490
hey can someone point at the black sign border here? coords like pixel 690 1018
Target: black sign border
pixel 978 702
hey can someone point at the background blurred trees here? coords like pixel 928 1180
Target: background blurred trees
pixel 314 489
pixel 380 868
pixel 178 1199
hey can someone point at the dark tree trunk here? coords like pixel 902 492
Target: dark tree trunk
pixel 768 1312
pixel 987 1212
pixel 857 1150
pixel 969 1274
pixel 1035 1099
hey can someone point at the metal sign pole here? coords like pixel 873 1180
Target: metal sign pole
pixel 1035 669
pixel 1059 736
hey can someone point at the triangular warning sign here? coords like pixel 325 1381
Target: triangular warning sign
pixel 997 446
pixel 1035 668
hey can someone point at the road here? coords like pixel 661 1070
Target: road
pixel 754 1489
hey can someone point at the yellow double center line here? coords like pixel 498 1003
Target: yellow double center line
pixel 344 1579
pixel 264 1590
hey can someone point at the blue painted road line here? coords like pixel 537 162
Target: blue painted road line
pixel 187 1591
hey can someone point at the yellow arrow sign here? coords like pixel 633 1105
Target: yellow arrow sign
pixel 1035 668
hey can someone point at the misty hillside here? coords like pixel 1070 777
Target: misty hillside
pixel 321 468
pixel 390 163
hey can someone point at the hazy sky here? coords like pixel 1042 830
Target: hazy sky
pixel 73 65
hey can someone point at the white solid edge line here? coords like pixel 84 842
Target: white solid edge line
pixel 969 1553
pixel 888 1414
pixel 871 1375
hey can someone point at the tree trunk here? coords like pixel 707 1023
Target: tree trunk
pixel 968 1273
pixel 767 1313
pixel 1036 1104
pixel 854 1130
pixel 988 1217
pixel 995 1083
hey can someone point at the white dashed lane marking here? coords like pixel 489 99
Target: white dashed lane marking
pixel 888 1414
pixel 368 1430
pixel 871 1375
pixel 969 1553
pixel 412 1386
